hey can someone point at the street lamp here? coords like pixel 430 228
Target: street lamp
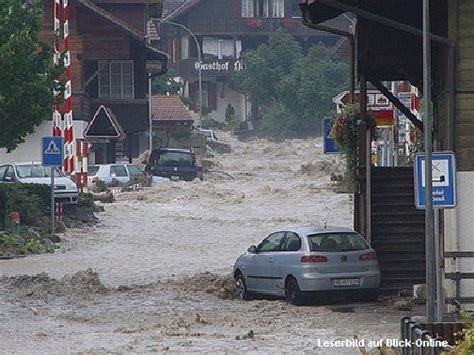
pixel 198 46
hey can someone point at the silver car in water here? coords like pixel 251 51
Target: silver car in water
pixel 294 262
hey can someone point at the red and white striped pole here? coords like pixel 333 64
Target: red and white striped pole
pixel 68 123
pixel 57 31
pixel 81 163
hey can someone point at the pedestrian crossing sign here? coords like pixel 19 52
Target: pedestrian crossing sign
pixel 52 151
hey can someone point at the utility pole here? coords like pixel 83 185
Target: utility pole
pixel 428 140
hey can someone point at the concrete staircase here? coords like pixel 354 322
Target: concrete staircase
pixel 397 229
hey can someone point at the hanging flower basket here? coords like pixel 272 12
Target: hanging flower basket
pixel 345 133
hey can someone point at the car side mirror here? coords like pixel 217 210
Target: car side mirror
pixel 8 179
pixel 113 175
pixel 252 250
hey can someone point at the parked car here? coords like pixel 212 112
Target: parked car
pixel 174 164
pixel 295 262
pixel 65 190
pixel 109 173
pixel 209 133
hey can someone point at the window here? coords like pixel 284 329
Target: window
pixel 247 8
pixel 93 170
pixel 272 243
pixel 116 79
pixel 218 48
pixel 175 159
pixel 185 47
pixel 263 8
pixel 278 9
pixel 336 242
pixel 33 171
pixel 10 172
pixel 291 243
pixel 134 171
pixel 118 171
pixel 3 169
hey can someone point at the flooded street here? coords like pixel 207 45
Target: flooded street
pixel 161 259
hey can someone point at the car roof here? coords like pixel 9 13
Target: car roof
pixel 177 150
pixel 307 230
pixel 26 163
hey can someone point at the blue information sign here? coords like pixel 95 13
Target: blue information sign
pixel 52 148
pixel 444 180
pixel 330 146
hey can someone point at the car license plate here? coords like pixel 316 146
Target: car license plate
pixel 345 282
pixel 175 178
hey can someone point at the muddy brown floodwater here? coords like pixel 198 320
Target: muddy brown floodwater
pixel 153 276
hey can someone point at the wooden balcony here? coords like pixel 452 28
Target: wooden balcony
pixel 251 26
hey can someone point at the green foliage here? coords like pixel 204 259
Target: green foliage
pixel 27 72
pixel 99 186
pixel 466 346
pixel 32 201
pixel 26 243
pixel 165 84
pixel 85 200
pixel 234 124
pixel 182 133
pixel 293 90
pixel 187 101
pixel 278 123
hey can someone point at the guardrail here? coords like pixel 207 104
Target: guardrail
pixel 418 341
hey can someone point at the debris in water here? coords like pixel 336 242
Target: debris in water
pixel 82 283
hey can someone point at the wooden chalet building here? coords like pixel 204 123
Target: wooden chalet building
pixel 109 52
pixel 390 48
pixel 225 29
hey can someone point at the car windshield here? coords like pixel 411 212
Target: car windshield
pixel 175 159
pixel 336 242
pixel 36 171
pixel 92 170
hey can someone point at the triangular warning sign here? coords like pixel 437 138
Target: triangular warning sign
pixel 103 125
pixel 52 149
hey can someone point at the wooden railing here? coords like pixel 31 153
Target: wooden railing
pixel 251 25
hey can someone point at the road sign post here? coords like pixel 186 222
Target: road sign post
pixel 52 149
pixel 443 175
pixel 330 146
pixel 443 195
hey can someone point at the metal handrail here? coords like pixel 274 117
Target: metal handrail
pixel 411 332
pixel 457 277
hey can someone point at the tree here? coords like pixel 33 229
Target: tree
pixel 27 72
pixel 166 84
pixel 293 90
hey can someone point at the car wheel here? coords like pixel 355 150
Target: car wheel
pixel 241 287
pixel 293 294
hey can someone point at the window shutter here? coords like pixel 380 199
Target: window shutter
pixel 237 8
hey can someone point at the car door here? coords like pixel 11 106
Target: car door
pixel 260 270
pixel 287 261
